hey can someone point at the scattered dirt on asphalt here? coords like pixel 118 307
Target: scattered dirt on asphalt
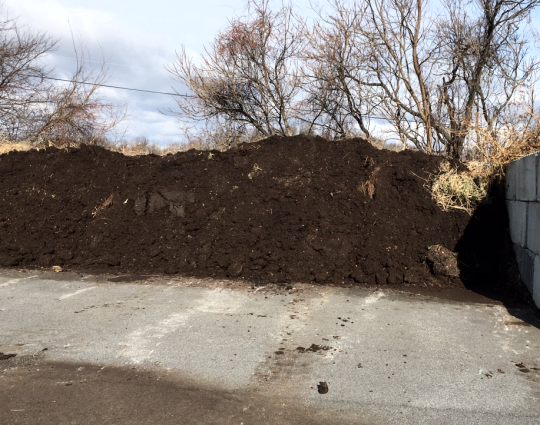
pixel 313 348
pixel 280 210
pixel 522 368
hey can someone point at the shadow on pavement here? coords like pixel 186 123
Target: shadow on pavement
pixel 78 393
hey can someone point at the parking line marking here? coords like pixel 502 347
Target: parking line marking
pixel 63 297
pixel 9 282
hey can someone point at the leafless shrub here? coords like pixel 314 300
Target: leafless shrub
pixel 218 135
pixel 249 77
pixel 140 145
pixel 21 74
pixel 338 98
pixel 430 74
pixel 35 107
pixel 75 113
pixel 440 74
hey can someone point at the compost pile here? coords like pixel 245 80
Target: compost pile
pixel 298 209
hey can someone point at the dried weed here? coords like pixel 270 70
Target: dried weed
pixel 459 190
pixel 368 187
pixel 6 146
pixel 106 204
pixel 255 172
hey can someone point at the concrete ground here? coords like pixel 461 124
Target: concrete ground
pixel 89 350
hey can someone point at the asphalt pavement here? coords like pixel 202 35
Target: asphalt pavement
pixel 179 350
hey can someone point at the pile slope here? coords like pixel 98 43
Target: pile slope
pixel 280 210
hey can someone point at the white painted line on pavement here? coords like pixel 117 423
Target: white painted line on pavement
pixel 141 343
pixel 63 297
pixel 9 282
pixel 374 298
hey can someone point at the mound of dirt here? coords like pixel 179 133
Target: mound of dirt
pixel 281 210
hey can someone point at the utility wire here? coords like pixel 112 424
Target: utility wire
pixel 170 94
pixel 116 87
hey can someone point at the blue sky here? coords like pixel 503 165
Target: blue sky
pixel 137 38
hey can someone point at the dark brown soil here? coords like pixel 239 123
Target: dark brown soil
pixel 313 348
pixel 281 210
pixel 322 387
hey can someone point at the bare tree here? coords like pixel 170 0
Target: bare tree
pixel 74 112
pixel 21 75
pixel 442 78
pixel 35 106
pixel 433 76
pixel 338 96
pixel 489 54
pixel 249 77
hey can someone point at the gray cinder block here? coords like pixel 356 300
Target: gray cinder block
pixel 533 227
pixel 526 178
pixel 510 181
pixel 525 260
pixel 517 215
pixel 536 281
pixel 537 176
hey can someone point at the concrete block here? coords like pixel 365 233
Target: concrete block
pixel 536 282
pixel 525 178
pixel 517 215
pixel 525 260
pixel 538 176
pixel 533 227
pixel 510 181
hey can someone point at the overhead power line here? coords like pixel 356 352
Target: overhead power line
pixel 116 87
pixel 172 94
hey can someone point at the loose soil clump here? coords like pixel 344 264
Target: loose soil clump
pixel 298 209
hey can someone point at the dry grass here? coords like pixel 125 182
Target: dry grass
pixel 458 190
pixel 491 161
pixel 368 187
pixel 106 204
pixel 487 157
pixel 6 146
pixel 255 172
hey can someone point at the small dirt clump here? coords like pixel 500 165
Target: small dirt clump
pixel 322 388
pixel 442 261
pixel 6 356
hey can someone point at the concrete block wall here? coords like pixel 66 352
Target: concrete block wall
pixel 523 204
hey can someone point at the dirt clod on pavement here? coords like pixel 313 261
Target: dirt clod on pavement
pixel 322 387
pixel 280 210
